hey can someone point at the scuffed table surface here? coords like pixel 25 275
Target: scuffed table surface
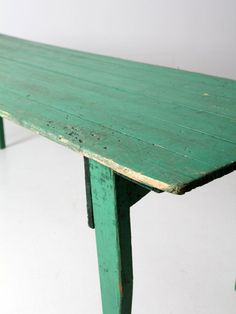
pixel 169 129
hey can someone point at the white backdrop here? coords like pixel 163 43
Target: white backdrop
pixel 184 246
pixel 194 35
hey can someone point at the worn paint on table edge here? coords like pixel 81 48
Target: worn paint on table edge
pixel 139 177
pixel 129 173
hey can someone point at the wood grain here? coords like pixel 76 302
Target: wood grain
pixel 168 129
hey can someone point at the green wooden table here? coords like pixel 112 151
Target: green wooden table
pixel 139 127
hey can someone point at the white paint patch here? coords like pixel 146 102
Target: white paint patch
pixel 63 140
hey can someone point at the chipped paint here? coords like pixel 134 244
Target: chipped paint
pixel 121 288
pixel 6 115
pixel 123 140
pixel 63 140
pixel 136 176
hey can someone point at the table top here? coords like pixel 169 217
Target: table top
pixel 169 129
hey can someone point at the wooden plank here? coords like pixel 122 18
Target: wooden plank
pixel 129 76
pixel 185 121
pixel 87 137
pixel 166 117
pixel 113 237
pixel 2 136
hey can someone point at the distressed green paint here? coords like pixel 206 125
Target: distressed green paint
pixel 133 192
pixel 88 194
pixel 168 129
pixel 112 226
pixel 2 136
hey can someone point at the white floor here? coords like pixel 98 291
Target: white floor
pixel 184 247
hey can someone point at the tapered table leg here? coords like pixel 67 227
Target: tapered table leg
pixel 112 225
pixel 2 137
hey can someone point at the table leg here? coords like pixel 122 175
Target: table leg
pixel 111 212
pixel 2 137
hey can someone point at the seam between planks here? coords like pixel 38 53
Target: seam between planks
pixel 184 156
pixel 164 120
pixel 151 97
